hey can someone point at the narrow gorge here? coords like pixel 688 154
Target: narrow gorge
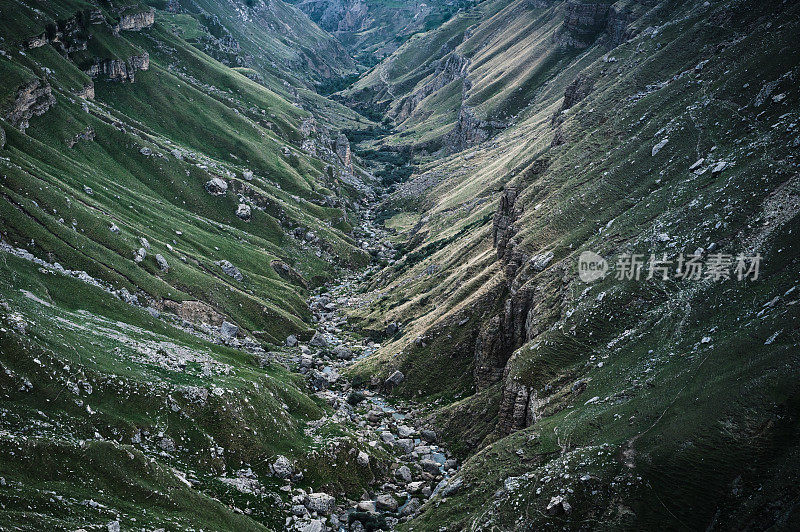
pixel 356 265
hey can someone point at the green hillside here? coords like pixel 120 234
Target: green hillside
pixel 322 265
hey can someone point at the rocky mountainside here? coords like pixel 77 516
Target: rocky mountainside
pixel 534 269
pixel 373 29
pixel 631 401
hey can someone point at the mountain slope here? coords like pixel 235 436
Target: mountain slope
pixel 642 403
pixel 163 220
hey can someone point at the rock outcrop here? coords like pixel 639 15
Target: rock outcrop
pixel 118 69
pixel 583 23
pixel 452 67
pixel 34 98
pixel 470 130
pixel 136 21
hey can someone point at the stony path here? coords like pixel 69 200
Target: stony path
pixel 420 466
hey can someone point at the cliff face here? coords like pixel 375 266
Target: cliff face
pixel 119 69
pixel 136 21
pixel 583 22
pixel 451 68
pixel 470 130
pixel 32 99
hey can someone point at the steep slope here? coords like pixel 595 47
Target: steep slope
pixel 461 83
pixel 162 220
pixel 638 403
pixel 373 29
pixel 269 36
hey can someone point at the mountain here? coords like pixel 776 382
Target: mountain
pixel 640 403
pixel 531 264
pixel 373 29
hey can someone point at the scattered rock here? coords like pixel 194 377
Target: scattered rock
pixel 282 467
pixel 395 378
pixel 318 340
pixel 163 265
pixel 230 270
pixel 243 211
pixel 216 186
pixel 386 502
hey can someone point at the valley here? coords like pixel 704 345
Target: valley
pixel 320 265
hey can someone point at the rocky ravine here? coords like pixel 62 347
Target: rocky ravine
pixel 420 467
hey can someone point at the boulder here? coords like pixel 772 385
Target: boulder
pixel 392 329
pixel 386 502
pixel 658 146
pixel 395 378
pixel 427 435
pixel 362 459
pixel 282 467
pixel 163 265
pixel 140 255
pixel 291 341
pixel 243 211
pixel 315 525
pixel 322 503
pixel 414 487
pixel 230 270
pixel 318 340
pixel 216 186
pixel 452 487
pixel 367 506
pixel 411 507
pixel 406 444
pixel 404 431
pixel 558 505
pixel 404 474
pixel 228 330
pixel 429 466
pixel 342 353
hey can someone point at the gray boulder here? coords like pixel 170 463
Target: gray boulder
pixel 282 467
pixel 318 340
pixel 163 265
pixel 243 211
pixel 228 330
pixel 404 474
pixel 322 503
pixel 230 270
pixel 427 435
pixel 342 353
pixel 216 186
pixel 291 341
pixel 386 502
pixel 411 507
pixel 395 378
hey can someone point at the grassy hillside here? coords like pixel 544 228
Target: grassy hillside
pixel 122 259
pixel 642 403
